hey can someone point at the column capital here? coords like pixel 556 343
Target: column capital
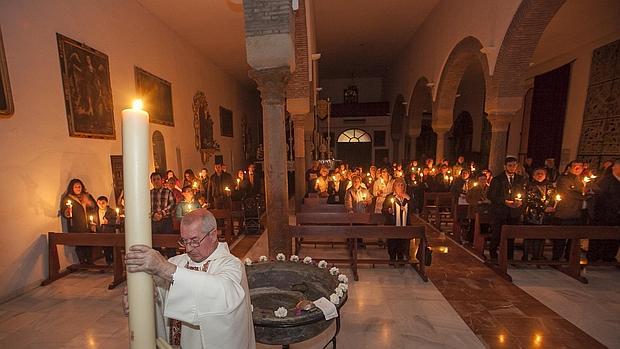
pixel 298 106
pixel 500 122
pixel 271 83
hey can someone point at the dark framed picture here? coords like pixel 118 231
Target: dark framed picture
pixel 6 101
pixel 156 94
pixel 226 122
pixel 88 93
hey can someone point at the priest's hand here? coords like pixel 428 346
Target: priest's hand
pixel 141 258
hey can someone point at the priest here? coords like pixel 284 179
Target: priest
pixel 202 297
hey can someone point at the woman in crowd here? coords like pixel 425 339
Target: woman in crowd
pixel 395 209
pixel 77 207
pixel 539 206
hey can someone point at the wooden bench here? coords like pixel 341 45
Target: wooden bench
pixel 332 218
pixel 574 233
pixel 483 216
pixel 437 205
pixel 117 241
pixel 352 233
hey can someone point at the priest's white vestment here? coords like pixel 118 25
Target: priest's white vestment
pixel 214 306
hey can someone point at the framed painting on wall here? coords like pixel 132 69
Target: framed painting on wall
pixel 156 94
pixel 226 122
pixel 6 101
pixel 88 93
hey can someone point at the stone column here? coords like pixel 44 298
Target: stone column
pixel 300 160
pixel 499 136
pixel 272 84
pixel 441 143
pixel 414 133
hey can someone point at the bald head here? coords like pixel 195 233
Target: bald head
pixel 200 218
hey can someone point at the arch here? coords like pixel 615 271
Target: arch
pixel 465 53
pixel 516 51
pixel 159 152
pixel 420 108
pixel 354 135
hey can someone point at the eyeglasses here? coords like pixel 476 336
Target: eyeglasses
pixel 193 243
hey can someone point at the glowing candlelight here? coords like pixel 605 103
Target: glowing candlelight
pixel 519 196
pixel 558 198
pixel 69 203
pixel 368 174
pixel 195 185
pixel 118 210
pixel 451 179
pixel 91 219
pixel 475 184
pixel 334 178
pixel 392 200
pixel 238 180
pixel 136 140
pixel 445 177
pixel 226 189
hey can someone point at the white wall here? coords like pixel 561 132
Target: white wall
pixel 39 157
pixel 369 89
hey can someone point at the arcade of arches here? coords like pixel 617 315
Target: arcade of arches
pixel 296 99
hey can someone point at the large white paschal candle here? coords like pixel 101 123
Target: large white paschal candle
pixel 138 223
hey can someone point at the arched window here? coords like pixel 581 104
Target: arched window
pixel 354 135
pixel 159 152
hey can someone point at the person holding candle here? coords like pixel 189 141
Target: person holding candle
pixel 189 178
pixel 217 195
pixel 381 188
pixel 568 211
pixel 188 204
pixel 252 184
pixel 506 207
pixel 77 205
pixel 311 176
pixel 171 176
pixel 540 202
pixel 606 212
pixel 105 222
pixel 395 209
pixel 441 181
pixel 370 177
pixel 202 296
pixel 321 183
pixel 459 166
pixel 357 198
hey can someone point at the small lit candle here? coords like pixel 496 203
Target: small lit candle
pixel 558 198
pixel 334 178
pixel 91 219
pixel 519 196
pixel 238 180
pixel 475 184
pixel 118 210
pixel 69 203
pixel 392 200
pixel 368 174
pixel 195 185
pixel 226 189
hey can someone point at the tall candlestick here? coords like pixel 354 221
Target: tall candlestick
pixel 137 223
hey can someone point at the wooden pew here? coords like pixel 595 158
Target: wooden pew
pixel 352 233
pixel 117 241
pixel 333 218
pixel 483 216
pixel 574 233
pixel 434 204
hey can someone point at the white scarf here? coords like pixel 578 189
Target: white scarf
pixel 400 212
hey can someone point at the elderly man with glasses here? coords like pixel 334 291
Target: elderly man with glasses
pixel 203 300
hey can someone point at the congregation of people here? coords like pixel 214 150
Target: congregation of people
pixel 171 199
pixel 521 194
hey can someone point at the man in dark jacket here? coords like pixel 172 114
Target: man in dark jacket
pixel 506 193
pixel 217 194
pixel 571 189
pixel 606 212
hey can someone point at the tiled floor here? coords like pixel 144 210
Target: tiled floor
pixel 464 306
pixel 593 307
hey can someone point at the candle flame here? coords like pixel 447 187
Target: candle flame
pixel 227 189
pixel 558 197
pixel 392 200
pixel 137 104
pixel 69 203
pixel 475 184
pixel 118 210
pixel 91 218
